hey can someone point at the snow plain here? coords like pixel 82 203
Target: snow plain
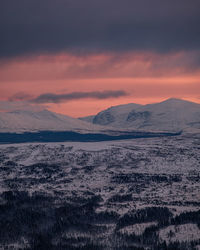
pixel 141 193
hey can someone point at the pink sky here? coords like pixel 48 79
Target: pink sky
pixel 145 77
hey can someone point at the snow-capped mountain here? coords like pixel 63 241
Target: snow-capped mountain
pixel 110 115
pixel 169 115
pixel 23 120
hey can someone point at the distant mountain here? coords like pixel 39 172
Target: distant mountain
pixel 169 115
pixel 87 118
pixel 112 114
pixel 21 121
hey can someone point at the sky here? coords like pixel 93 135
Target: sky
pixel 79 57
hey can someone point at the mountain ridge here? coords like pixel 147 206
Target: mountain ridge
pixel 169 115
pixel 25 120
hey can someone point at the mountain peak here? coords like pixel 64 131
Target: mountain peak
pixel 173 99
pixel 27 120
pixel 176 100
pixel 172 114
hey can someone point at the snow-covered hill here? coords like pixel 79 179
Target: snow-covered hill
pixel 75 193
pixel 169 115
pixel 112 114
pixel 21 120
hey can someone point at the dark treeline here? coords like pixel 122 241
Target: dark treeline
pixel 62 136
pixel 46 222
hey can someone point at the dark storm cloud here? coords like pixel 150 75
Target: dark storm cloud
pixel 35 26
pixel 57 98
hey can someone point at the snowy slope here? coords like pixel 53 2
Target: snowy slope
pixel 112 114
pixel 87 118
pixel 170 115
pixel 20 120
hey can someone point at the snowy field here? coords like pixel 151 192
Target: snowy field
pixel 132 194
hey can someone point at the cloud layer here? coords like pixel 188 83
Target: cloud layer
pixel 57 98
pixel 89 51
pixel 110 65
pixel 38 26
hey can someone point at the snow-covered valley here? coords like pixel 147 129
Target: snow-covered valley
pixel 133 194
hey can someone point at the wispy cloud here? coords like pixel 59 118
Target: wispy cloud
pixel 20 96
pixel 57 98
